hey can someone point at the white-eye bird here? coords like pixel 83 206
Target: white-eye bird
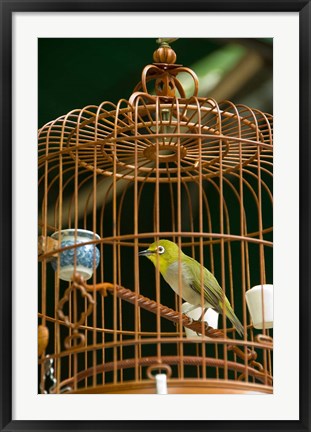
pixel 164 254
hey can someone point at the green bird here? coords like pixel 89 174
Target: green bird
pixel 164 254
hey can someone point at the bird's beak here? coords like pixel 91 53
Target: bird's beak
pixel 145 252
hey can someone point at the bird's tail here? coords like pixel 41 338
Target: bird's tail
pixel 234 319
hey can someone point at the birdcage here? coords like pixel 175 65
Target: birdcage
pixel 115 178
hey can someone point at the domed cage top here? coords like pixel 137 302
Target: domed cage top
pixel 112 180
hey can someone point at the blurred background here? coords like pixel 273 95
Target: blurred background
pixel 74 73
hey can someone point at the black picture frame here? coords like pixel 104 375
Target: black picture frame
pixel 7 9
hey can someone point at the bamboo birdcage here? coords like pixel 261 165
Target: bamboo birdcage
pixel 159 165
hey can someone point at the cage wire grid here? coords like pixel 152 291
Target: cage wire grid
pixel 162 165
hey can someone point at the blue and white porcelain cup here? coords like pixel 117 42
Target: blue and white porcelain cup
pixel 86 257
pixel 211 317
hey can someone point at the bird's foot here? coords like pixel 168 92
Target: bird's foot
pixel 203 314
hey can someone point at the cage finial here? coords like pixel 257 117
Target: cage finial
pixel 166 41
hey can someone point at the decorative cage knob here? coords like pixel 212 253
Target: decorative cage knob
pixel 164 54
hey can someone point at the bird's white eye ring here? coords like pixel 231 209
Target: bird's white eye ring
pixel 161 249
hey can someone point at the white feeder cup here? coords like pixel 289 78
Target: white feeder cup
pixel 210 316
pixel 259 301
pixel 83 259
